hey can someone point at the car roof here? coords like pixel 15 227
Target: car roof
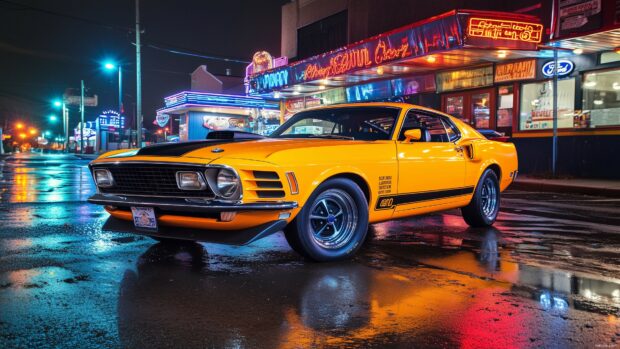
pixel 378 104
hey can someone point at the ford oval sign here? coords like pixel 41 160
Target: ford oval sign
pixel 565 67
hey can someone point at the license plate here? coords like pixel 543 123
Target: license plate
pixel 144 218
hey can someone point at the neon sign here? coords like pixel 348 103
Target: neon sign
pixel 271 80
pixel 499 29
pixel 439 34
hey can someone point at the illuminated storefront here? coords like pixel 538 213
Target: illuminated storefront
pixel 200 113
pixel 421 63
pixel 491 69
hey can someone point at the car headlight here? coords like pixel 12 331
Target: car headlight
pixel 227 183
pixel 103 178
pixel 190 180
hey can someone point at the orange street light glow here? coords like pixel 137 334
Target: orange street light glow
pixel 22 135
pixel 32 131
pixel 19 126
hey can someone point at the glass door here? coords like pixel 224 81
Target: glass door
pixel 476 108
pixel 505 109
pixel 481 109
pixel 455 105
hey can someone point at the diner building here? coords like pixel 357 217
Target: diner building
pixel 492 69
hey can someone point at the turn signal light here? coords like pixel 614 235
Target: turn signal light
pixel 292 183
pixel 227 216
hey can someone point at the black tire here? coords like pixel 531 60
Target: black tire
pixel 484 206
pixel 338 225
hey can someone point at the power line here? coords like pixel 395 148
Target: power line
pixel 152 44
pixel 191 54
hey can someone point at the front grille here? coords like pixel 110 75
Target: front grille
pixel 150 180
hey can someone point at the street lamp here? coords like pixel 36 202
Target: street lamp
pixel 111 66
pixel 19 126
pixel 65 120
pixel 53 118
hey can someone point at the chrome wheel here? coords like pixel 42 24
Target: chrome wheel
pixel 333 219
pixel 488 198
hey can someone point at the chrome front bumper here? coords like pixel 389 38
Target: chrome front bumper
pixel 188 205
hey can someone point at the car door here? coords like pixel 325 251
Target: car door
pixel 431 171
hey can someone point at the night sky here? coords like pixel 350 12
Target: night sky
pixel 42 54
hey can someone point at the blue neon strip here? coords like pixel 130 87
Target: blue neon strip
pixel 210 99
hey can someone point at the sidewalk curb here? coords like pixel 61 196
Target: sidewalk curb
pixel 564 188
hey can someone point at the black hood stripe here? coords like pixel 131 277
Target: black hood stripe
pixel 179 149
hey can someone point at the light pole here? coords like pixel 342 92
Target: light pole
pixel 110 66
pixel 65 122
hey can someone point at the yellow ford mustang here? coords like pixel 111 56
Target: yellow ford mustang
pixel 321 177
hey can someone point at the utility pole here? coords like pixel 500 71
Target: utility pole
pixel 82 118
pixel 138 79
pixel 65 127
pixel 120 90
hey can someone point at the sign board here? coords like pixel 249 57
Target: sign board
pixel 89 101
pixel 463 79
pixel 109 119
pixel 513 71
pixel 565 67
pixel 501 29
pixel 579 16
pixel 439 34
pixel 162 119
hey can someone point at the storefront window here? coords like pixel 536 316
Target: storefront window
pixel 481 111
pixel 537 105
pixel 601 100
pixel 505 106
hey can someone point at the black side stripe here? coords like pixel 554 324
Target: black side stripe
pixel 390 201
pixel 179 149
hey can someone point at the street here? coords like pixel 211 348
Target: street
pixel 546 275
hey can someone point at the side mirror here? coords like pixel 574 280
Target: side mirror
pixel 415 134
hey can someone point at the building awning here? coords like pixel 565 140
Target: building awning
pixel 187 100
pixel 451 40
pixel 598 41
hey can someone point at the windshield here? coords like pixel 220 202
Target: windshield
pixel 363 123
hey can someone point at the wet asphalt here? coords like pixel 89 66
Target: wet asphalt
pixel 546 275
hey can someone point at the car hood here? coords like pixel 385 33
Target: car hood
pixel 254 149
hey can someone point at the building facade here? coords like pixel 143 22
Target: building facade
pixel 492 69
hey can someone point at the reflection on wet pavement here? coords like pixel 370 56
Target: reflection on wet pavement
pixel 545 276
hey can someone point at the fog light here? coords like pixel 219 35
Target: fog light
pixel 227 216
pixel 187 180
pixel 103 178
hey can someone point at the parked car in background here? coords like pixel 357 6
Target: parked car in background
pixel 494 135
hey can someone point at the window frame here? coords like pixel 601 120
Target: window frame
pixel 398 110
pixel 443 118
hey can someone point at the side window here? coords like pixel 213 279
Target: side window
pixel 432 126
pixel 452 131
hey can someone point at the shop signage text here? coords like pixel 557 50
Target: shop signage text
pixel 565 67
pixel 162 119
pixel 417 40
pixel 111 119
pixel 499 29
pixel 513 71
